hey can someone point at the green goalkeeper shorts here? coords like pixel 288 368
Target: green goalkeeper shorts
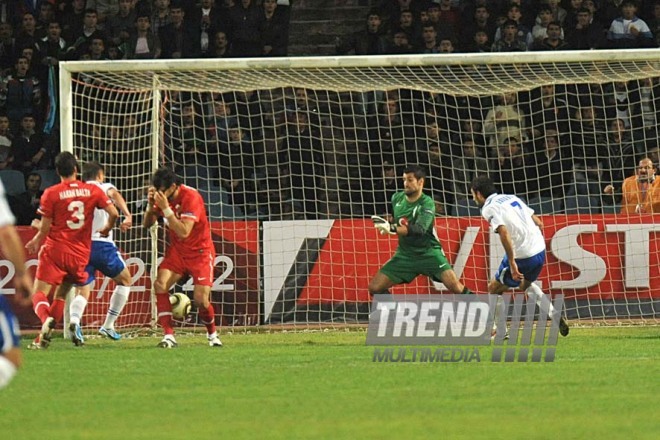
pixel 404 269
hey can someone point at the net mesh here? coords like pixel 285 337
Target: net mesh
pixel 293 159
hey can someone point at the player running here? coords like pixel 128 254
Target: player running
pixel 520 232
pixel 67 213
pixel 12 248
pixel 419 251
pixel 104 257
pixel 190 250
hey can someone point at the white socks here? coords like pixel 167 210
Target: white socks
pixel 117 303
pixel 542 300
pixel 7 371
pixel 76 309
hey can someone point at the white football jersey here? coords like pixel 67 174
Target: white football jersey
pixel 516 216
pixel 6 216
pixel 100 216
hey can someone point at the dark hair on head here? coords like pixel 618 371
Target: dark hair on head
pixel 66 164
pixel 484 185
pixel 91 170
pixel 164 178
pixel 419 172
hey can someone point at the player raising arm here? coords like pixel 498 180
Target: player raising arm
pixel 67 213
pixel 520 232
pixel 12 248
pixel 419 251
pixel 104 257
pixel 190 250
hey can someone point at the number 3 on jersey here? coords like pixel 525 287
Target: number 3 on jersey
pixel 77 210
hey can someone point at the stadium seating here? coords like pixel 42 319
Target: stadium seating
pixel 13 181
pixel 48 178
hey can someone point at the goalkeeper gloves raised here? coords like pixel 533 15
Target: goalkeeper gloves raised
pixel 383 226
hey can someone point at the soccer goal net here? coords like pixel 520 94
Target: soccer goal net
pixel 293 156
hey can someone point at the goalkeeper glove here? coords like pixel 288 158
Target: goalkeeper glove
pixel 383 226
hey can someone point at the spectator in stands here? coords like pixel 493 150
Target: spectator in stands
pixel 244 27
pixel 391 10
pixel 408 24
pixel 72 20
pixel 479 42
pixel 45 16
pixel 523 33
pixel 504 120
pixel 186 140
pixel 640 194
pixel 177 39
pixel 400 43
pixel 52 48
pixel 449 15
pixel 119 26
pixel 481 21
pixel 548 109
pixel 96 50
pixel 204 22
pixel 645 113
pixel 219 46
pixel 20 94
pixel 388 132
pixel 6 151
pixel 465 167
pixel 621 98
pixel 558 13
pixel 540 29
pixel 384 185
pixel 236 167
pixel 221 119
pixel 585 34
pixel 302 154
pixel 621 154
pixel 104 8
pixel 8 49
pixel 446 45
pixel 553 41
pixel 571 14
pixel 25 205
pixel 587 133
pixel 143 44
pixel 160 15
pixel 30 147
pixel 370 41
pixel 429 40
pixel 628 30
pixel 514 171
pixel 79 41
pixel 654 22
pixel 26 35
pixel 554 166
pixel 509 41
pixel 275 29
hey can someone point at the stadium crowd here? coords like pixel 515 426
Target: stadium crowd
pixel 299 153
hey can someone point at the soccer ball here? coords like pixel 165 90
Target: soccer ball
pixel 180 305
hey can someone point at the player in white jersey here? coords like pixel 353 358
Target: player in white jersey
pixel 12 248
pixel 105 257
pixel 520 232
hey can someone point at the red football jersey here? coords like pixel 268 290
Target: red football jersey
pixel 189 205
pixel 71 206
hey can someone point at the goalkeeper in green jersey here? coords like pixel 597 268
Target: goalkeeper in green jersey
pixel 419 251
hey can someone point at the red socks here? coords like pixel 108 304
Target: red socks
pixel 164 309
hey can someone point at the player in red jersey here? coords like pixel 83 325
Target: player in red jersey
pixel 67 214
pixel 190 250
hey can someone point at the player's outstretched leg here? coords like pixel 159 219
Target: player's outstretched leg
pixel 544 303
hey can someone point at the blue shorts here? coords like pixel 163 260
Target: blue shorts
pixel 529 267
pixel 105 258
pixel 9 330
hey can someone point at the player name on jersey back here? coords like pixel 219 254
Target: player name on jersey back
pixel 74 192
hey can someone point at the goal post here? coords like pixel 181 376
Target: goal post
pixel 293 155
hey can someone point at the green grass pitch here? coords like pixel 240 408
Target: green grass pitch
pixel 604 384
